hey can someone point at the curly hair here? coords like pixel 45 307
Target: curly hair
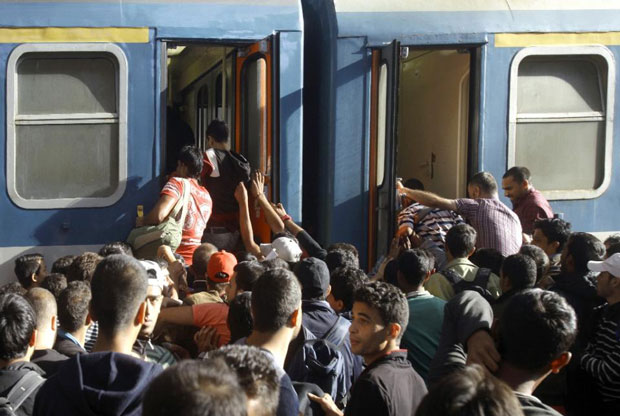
pixel 388 300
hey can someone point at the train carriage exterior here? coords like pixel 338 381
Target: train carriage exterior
pixel 443 89
pixel 88 89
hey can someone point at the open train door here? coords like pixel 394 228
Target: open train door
pixel 382 184
pixel 254 119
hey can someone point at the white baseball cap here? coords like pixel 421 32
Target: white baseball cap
pixel 283 247
pixel 610 265
pixel 155 275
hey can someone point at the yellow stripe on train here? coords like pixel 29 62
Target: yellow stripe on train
pixel 511 40
pixel 74 34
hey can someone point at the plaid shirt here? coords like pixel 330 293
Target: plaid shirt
pixel 497 226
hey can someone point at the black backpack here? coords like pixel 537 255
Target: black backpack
pixel 479 284
pixel 24 387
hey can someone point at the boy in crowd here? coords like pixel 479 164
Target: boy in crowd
pixel 73 304
pixel 344 281
pixel 551 234
pixel 108 381
pixel 388 385
pixel 518 273
pixel 30 270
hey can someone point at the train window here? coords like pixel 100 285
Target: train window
pixel 381 123
pixel 561 105
pixel 255 112
pixel 66 135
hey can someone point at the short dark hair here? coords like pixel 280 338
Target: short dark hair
pixel 276 263
pixel 200 259
pixel 536 327
pixel 390 273
pixel 117 247
pixel 612 239
pixel 485 181
pixel 55 283
pixel 276 295
pixel 344 282
pixel 346 247
pixel 118 288
pixel 191 157
pixel 17 322
pixel 584 247
pixel 73 305
pixel 388 300
pixel 519 174
pixel 43 303
pixel 247 273
pixel 413 183
pixel 520 270
pixel 195 388
pixel 62 264
pixel 470 391
pixel 613 249
pixel 239 318
pixel 414 265
pixel 83 267
pixel 13 287
pixel 555 229
pixel 218 130
pixel 540 258
pixel 26 266
pixel 489 258
pixel 256 374
pixel 340 258
pixel 461 240
pixel 245 256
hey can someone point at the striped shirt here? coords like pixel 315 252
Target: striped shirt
pixel 433 226
pixel 602 357
pixel 497 225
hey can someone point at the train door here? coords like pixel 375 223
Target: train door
pixel 384 109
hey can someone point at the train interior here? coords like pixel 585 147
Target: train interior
pixel 433 119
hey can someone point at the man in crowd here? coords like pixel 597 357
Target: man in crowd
pixel 518 273
pixel 497 226
pixel 216 290
pixel 83 267
pixel 527 202
pixel 551 234
pixel 17 341
pixel 388 385
pixel 30 270
pixel 344 281
pixel 108 381
pixel 460 245
pixel 73 304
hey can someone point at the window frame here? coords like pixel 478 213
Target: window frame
pixel 120 119
pixel 607 98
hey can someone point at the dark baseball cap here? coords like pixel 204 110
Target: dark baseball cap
pixel 313 275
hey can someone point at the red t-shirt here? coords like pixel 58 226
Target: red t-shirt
pixel 200 207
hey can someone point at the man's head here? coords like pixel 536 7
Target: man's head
pixel 344 282
pixel 154 296
pixel 470 391
pixel 220 269
pixel 276 301
pixel 195 388
pixel 217 131
pixel 239 318
pixel 461 241
pixel 44 306
pixel 608 280
pixel 189 162
pixel 55 283
pixel 482 185
pixel 380 316
pixel 73 304
pixel 489 258
pixel 246 274
pixel 119 288
pixel 342 255
pixel 551 234
pixel 83 267
pixel 17 328
pixel 579 250
pixel 611 240
pixel 200 260
pixel 536 332
pixel 117 247
pixel 414 268
pixel 518 273
pixel 256 374
pixel 540 258
pixel 62 264
pixel 313 276
pixel 30 269
pixel 516 182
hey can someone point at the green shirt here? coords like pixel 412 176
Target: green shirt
pixel 439 286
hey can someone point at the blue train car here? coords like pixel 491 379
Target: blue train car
pixel 93 93
pixel 443 89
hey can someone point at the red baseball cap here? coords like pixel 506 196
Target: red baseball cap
pixel 221 266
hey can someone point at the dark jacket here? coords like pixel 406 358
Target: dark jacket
pixel 101 383
pixel 67 347
pixel 48 360
pixel 10 375
pixel 388 386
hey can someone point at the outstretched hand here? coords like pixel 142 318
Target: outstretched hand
pixel 279 209
pixel 258 184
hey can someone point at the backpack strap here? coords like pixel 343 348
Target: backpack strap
pixel 24 388
pixel 482 277
pixel 452 276
pixel 338 332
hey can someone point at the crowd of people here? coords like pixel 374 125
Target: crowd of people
pixel 478 309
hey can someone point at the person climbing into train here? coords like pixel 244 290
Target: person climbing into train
pixel 222 170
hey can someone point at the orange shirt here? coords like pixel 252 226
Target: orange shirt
pixel 213 315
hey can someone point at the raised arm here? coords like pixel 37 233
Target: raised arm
pixel 245 225
pixel 256 190
pixel 306 241
pixel 427 198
